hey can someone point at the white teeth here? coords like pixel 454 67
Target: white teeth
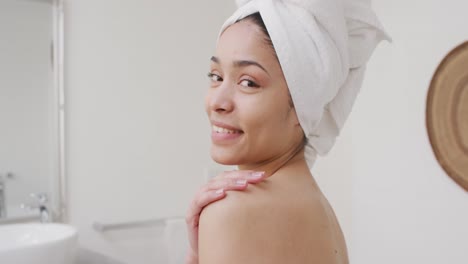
pixel 218 129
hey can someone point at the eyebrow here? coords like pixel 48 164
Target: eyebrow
pixel 242 63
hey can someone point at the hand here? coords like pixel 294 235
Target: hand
pixel 211 192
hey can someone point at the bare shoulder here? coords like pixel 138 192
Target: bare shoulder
pixel 268 223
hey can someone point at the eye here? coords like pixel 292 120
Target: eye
pixel 249 83
pixel 214 77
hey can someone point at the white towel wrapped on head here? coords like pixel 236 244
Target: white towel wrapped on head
pixel 323 47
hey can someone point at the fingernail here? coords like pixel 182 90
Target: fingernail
pixel 241 182
pixel 219 192
pixel 256 175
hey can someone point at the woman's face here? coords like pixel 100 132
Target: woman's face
pixel 248 101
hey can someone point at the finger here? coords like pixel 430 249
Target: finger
pixel 226 184
pixel 214 191
pixel 201 200
pixel 249 175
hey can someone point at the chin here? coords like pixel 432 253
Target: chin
pixel 224 157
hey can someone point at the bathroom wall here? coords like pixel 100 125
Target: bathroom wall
pixel 137 135
pixel 405 209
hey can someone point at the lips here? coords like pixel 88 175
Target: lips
pixel 219 127
pixel 223 134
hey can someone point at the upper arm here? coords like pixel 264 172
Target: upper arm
pixel 231 231
pixel 239 229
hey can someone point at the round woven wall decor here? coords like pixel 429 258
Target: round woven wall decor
pixel 447 114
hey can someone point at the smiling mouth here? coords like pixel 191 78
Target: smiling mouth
pixel 223 130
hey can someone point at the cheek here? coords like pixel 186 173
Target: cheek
pixel 276 126
pixel 265 115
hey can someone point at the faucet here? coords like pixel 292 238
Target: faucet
pixel 2 199
pixel 42 206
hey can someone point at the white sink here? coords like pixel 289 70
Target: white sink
pixel 37 243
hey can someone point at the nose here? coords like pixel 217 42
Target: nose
pixel 220 99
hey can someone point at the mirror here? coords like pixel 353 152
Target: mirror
pixel 31 109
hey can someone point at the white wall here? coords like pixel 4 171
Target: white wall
pixel 405 208
pixel 137 135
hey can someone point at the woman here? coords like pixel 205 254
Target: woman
pixel 283 80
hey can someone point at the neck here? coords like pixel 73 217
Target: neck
pixel 294 156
